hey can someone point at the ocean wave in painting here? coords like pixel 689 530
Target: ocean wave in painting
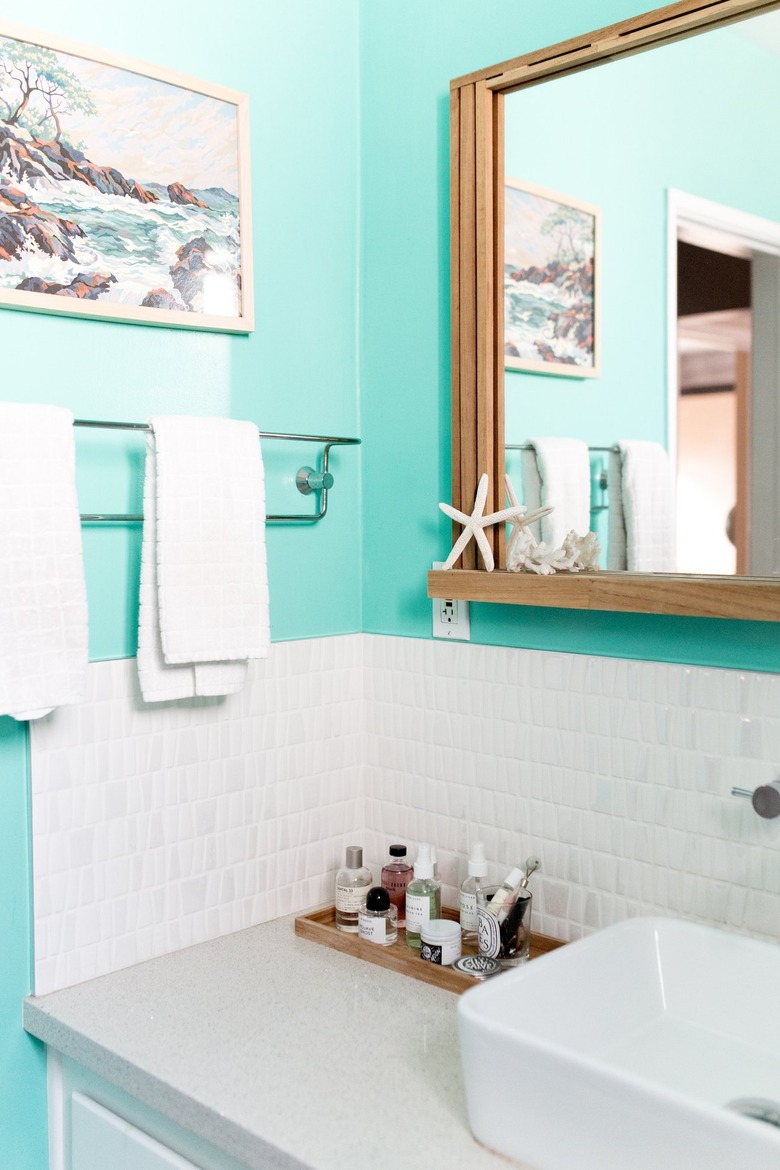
pixel 136 243
pixel 545 323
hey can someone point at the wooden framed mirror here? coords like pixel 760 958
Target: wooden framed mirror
pixel 477 314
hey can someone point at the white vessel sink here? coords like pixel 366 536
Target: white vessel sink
pixel 626 1050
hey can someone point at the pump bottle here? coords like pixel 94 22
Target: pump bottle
pixel 423 897
pixel 477 867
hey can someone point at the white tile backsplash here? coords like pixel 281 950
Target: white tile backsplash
pixel 617 773
pixel 157 826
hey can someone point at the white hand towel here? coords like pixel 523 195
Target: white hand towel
pixel 204 587
pixel 640 521
pixel 557 472
pixel 43 600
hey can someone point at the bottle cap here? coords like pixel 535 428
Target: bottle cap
pixel 423 866
pixel 354 857
pixel 398 851
pixel 477 860
pixel 377 898
pixel 514 878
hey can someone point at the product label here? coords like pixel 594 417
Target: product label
pixel 350 899
pixel 372 929
pixel 395 882
pixel 444 953
pixel 418 911
pixel 489 934
pixel 468 911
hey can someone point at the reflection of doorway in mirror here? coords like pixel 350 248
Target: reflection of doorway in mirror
pixel 724 427
pixel 713 347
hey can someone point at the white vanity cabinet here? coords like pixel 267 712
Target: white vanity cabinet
pixel 100 1139
pixel 93 1125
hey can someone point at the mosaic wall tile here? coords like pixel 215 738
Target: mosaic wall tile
pixel 155 827
pixel 616 773
pixel 159 826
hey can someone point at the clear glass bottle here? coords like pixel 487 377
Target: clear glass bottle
pixel 352 885
pixel 477 867
pixel 378 919
pixel 509 886
pixel 396 875
pixel 423 897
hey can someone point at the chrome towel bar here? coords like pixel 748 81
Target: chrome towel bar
pixel 307 479
pixel 602 480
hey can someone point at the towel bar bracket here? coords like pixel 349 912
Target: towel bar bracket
pixel 307 479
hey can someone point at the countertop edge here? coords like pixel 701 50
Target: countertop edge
pixel 157 1094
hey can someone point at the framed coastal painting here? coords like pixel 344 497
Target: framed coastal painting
pixel 124 189
pixel 551 272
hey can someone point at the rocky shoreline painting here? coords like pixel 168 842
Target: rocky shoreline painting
pixel 550 275
pixel 122 190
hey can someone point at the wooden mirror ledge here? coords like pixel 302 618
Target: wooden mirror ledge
pixel 747 598
pixel 477 313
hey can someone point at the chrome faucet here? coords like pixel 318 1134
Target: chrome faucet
pixel 765 799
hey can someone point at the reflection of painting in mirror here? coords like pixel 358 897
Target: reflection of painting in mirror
pixel 689 116
pixel 550 255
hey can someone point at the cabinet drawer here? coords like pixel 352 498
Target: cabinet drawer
pixel 100 1139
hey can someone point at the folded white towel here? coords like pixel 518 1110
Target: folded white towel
pixel 204 586
pixel 557 472
pixel 43 600
pixel 640 520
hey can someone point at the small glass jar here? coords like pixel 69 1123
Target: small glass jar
pixel 378 919
pixel 440 941
pixel 505 936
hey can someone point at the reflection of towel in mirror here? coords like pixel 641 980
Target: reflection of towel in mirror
pixel 204 590
pixel 640 531
pixel 557 471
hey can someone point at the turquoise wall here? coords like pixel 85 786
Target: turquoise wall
pixel 405 314
pixel 22 1061
pixel 349 124
pixel 297 372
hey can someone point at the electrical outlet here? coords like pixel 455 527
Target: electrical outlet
pixel 450 617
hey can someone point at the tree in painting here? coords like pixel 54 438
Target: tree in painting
pixel 572 231
pixel 36 73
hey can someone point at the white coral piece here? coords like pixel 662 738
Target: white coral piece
pixel 585 551
pixel 577 553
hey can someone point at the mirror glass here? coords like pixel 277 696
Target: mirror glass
pixel 686 312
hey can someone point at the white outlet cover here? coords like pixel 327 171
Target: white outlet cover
pixel 457 630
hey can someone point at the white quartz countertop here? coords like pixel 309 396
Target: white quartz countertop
pixel 279 1051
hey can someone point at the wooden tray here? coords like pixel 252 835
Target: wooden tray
pixel 320 927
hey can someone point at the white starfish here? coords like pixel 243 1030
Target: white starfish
pixel 519 526
pixel 475 525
